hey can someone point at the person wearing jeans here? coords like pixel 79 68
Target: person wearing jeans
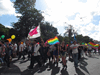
pixel 74 48
pixel 75 58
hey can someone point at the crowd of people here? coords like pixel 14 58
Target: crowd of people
pixel 43 53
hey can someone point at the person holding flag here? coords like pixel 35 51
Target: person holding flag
pixel 35 55
pixel 74 48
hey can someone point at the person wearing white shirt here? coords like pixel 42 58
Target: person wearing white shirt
pixel 35 55
pixel 21 48
pixel 74 48
pixel 29 50
pixel 14 49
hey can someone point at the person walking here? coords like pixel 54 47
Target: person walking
pixel 14 49
pixel 7 56
pixel 56 53
pixel 35 55
pixel 74 48
pixel 63 50
pixel 21 48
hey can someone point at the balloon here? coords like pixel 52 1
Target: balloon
pixel 9 39
pixel 21 42
pixel 3 36
pixel 82 43
pixel 85 43
pixel 0 38
pixel 13 37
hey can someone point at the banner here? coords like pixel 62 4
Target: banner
pixel 34 33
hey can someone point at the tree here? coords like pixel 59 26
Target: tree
pixel 30 18
pixel 48 31
pixel 69 32
pixel 87 39
pixel 27 21
pixel 61 38
pixel 24 5
pixel 4 30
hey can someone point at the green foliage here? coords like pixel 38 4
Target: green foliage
pixel 24 5
pixel 48 31
pixel 60 38
pixel 31 18
pixel 83 39
pixel 4 30
pixel 27 21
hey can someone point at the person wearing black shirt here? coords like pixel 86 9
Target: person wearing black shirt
pixel 79 52
pixel 63 50
pixel 42 51
pixel 85 50
pixel 7 56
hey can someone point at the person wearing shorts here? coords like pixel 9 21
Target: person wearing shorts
pixel 63 50
pixel 56 53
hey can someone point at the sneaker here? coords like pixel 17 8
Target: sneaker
pixel 66 66
pixel 30 68
pixel 57 63
pixel 76 67
pixel 54 63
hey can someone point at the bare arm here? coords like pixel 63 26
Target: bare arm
pixel 58 50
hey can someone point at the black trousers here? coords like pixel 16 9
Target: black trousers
pixel 43 58
pixel 29 54
pixel 33 59
pixel 79 54
pixel 7 60
pixel 51 56
pixel 21 54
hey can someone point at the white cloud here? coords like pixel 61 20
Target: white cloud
pixel 9 26
pixel 6 7
pixel 58 12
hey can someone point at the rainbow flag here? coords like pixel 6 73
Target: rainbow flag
pixel 53 41
pixel 93 45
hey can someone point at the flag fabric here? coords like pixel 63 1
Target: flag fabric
pixel 34 33
pixel 46 43
pixel 93 45
pixel 53 41
pixel 75 38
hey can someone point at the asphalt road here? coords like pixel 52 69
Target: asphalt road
pixel 87 66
